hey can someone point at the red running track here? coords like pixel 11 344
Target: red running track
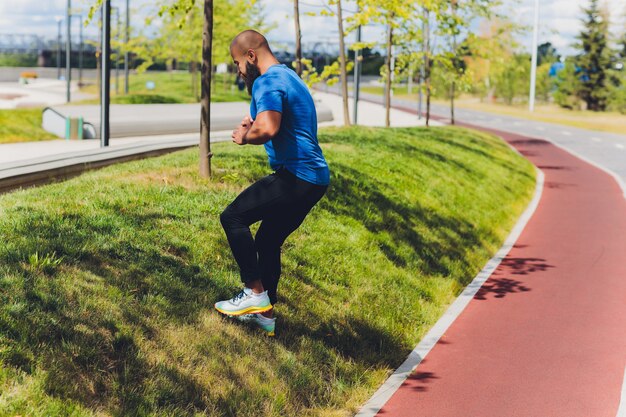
pixel 546 334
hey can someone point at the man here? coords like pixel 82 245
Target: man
pixel 283 119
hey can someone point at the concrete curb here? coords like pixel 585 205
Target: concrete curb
pixel 54 168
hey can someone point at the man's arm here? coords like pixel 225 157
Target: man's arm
pixel 259 131
pixel 264 128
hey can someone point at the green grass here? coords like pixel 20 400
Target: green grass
pixel 22 124
pixel 107 281
pixel 170 87
pixel 613 122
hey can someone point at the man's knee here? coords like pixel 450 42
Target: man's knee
pixel 228 218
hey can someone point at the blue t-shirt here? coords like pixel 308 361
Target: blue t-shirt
pixel 295 146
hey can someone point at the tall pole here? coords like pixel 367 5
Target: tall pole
pixel 205 116
pixel 68 52
pixel 126 36
pixel 59 20
pixel 80 53
pixel 99 55
pixel 117 53
pixel 357 74
pixel 420 93
pixel 106 74
pixel 533 65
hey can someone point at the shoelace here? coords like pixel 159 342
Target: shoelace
pixel 241 294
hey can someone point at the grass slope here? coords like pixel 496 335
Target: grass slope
pixel 22 124
pixel 107 281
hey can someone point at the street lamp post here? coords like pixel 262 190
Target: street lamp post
pixel 80 52
pixel 81 49
pixel 106 75
pixel 117 52
pixel 126 36
pixel 357 75
pixel 533 68
pixel 68 51
pixel 59 20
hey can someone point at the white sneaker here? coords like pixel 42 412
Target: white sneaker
pixel 245 302
pixel 268 325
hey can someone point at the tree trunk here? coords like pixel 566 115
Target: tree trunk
pixel 205 121
pixel 427 63
pixel 296 14
pixel 388 80
pixel 453 85
pixel 342 63
pixel 194 79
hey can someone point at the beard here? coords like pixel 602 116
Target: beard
pixel 252 73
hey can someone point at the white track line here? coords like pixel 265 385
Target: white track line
pixel 621 411
pixel 619 145
pixel 391 385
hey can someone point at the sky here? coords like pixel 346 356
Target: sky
pixel 559 21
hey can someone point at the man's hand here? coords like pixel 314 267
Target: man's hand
pixel 240 133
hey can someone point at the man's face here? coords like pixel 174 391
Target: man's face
pixel 247 69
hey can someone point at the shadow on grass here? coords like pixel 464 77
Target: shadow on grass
pixel 381 214
pixel 86 341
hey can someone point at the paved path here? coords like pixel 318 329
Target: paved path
pixel 546 334
pixel 29 163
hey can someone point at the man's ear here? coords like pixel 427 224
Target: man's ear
pixel 251 56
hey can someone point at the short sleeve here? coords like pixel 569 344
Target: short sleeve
pixel 268 94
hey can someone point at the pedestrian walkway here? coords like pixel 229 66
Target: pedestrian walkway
pixel 29 163
pixel 546 333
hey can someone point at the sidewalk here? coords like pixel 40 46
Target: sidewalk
pixel 29 163
pixel 369 114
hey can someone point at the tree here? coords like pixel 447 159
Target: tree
pixel 513 78
pixel 343 65
pixel 546 53
pixel 340 67
pixel 296 16
pixel 399 17
pixel 594 59
pixel 205 121
pixel 567 86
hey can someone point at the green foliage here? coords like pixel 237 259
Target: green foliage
pixel 546 54
pixel 545 84
pixel 180 30
pixel 18 60
pixel 329 75
pixel 567 86
pixel 616 97
pixel 125 325
pixel 513 78
pixel 594 59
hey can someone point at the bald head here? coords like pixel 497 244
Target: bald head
pixel 252 55
pixel 249 39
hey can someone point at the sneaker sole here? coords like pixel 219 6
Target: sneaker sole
pixel 249 310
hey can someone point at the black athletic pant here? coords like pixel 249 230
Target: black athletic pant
pixel 280 201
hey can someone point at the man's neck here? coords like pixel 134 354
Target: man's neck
pixel 266 64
